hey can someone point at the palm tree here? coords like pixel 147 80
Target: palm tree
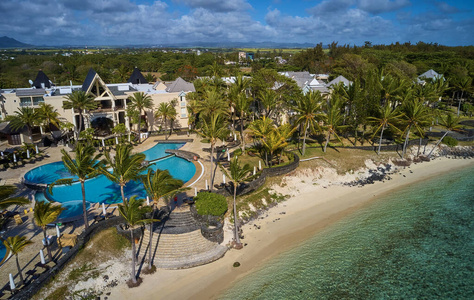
pixel 269 100
pixel 451 123
pixel 45 213
pixel 158 184
pixel 85 165
pixel 416 115
pixel 462 84
pixel 242 105
pixel 16 244
pixel 134 212
pixel 166 111
pixel 125 166
pixel 308 113
pixel 48 115
pixel 260 129
pixel 140 101
pixel 24 116
pixel 212 103
pixel 5 200
pixel 333 120
pixel 79 101
pixel 237 175
pixel 213 128
pixel 387 118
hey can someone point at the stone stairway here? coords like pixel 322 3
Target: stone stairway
pixel 178 243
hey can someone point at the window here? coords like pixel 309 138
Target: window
pixel 183 113
pixel 37 100
pixel 183 104
pixel 25 101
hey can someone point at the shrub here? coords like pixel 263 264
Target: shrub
pixel 210 204
pixel 238 152
pixel 450 141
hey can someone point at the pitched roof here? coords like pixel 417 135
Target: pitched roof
pixel 338 79
pixel 180 85
pixel 89 79
pixel 41 80
pixel 137 77
pixel 429 74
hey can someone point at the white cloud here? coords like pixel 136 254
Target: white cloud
pixel 382 6
pixel 217 5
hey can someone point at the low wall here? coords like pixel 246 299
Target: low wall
pixel 253 185
pixel 35 286
pixel 215 233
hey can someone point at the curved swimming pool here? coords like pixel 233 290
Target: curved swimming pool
pixel 101 190
pixel 3 253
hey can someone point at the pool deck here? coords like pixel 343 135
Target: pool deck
pixel 30 256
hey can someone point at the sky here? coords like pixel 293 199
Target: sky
pixel 146 22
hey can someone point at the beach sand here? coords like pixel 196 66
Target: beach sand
pixel 281 228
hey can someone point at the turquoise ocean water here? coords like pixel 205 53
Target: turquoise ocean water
pixel 415 243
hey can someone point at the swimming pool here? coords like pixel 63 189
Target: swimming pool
pixel 3 253
pixel 101 190
pixel 158 150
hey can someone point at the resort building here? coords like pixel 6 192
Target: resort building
pixel 112 100
pixel 307 82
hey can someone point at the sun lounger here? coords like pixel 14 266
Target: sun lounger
pixel 18 220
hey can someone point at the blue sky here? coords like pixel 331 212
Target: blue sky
pixel 119 22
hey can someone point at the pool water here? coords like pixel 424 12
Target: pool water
pixel 49 173
pixel 101 190
pixel 3 252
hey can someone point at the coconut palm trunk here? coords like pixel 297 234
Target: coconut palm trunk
pixel 304 137
pixel 238 244
pixel 84 207
pixel 22 280
pixel 328 137
pixel 134 259
pixel 437 143
pixel 406 142
pixel 380 140
pixel 211 179
pixel 242 124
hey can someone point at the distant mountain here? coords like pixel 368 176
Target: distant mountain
pixel 7 42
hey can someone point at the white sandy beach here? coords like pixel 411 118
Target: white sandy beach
pixel 285 226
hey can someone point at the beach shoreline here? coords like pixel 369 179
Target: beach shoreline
pixel 282 228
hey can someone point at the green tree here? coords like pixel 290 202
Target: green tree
pixel 15 245
pixel 269 101
pixel 125 166
pixel 451 123
pixel 45 213
pixel 166 111
pixel 48 115
pixel 24 116
pixel 309 113
pixel 387 118
pixel 85 165
pixel 213 128
pixel 242 105
pixel 79 101
pixel 237 175
pixel 140 101
pixel 260 129
pixel 133 211
pixel 333 120
pixel 415 115
pixel 462 84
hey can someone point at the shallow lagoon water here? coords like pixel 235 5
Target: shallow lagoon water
pixel 417 242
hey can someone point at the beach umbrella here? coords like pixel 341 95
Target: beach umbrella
pixel 103 209
pixel 42 257
pixel 103 143
pixel 14 157
pixel 58 232
pixel 2 153
pixel 129 137
pixel 235 137
pixel 116 140
pixel 147 200
pixel 28 153
pixel 228 155
pixel 206 185
pixel 36 148
pixel 259 164
pixel 195 191
pixel 12 283
pixel 223 178
pixel 254 170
